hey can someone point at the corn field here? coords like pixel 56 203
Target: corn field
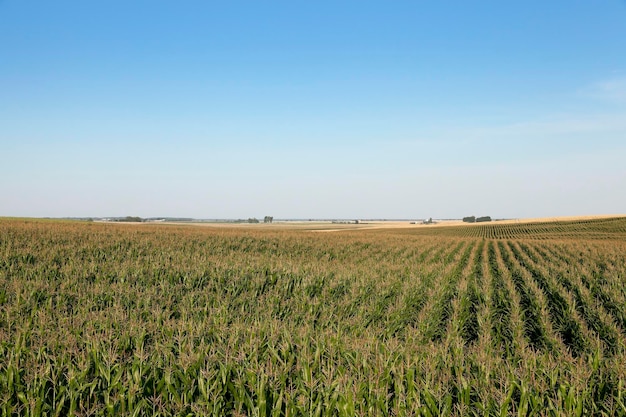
pixel 160 320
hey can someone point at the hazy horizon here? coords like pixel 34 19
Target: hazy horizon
pixel 351 110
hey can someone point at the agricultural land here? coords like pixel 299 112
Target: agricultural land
pixel 494 319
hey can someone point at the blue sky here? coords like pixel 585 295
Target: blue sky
pixel 323 109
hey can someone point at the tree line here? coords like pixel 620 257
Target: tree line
pixel 474 219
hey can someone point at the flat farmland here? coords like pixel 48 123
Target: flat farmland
pixel 518 318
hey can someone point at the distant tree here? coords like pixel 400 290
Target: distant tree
pixel 483 219
pixel 253 220
pixel 129 219
pixel 469 219
pixel 268 219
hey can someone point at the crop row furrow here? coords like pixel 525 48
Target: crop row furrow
pixel 501 329
pixel 562 321
pixel 613 308
pixel 597 289
pixel 534 328
pixel 442 310
pixel 472 300
pixel 605 333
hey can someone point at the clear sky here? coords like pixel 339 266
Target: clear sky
pixel 317 109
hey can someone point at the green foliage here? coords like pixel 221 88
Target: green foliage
pixel 129 219
pixel 112 319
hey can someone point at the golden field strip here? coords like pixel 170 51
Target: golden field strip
pixel 515 318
